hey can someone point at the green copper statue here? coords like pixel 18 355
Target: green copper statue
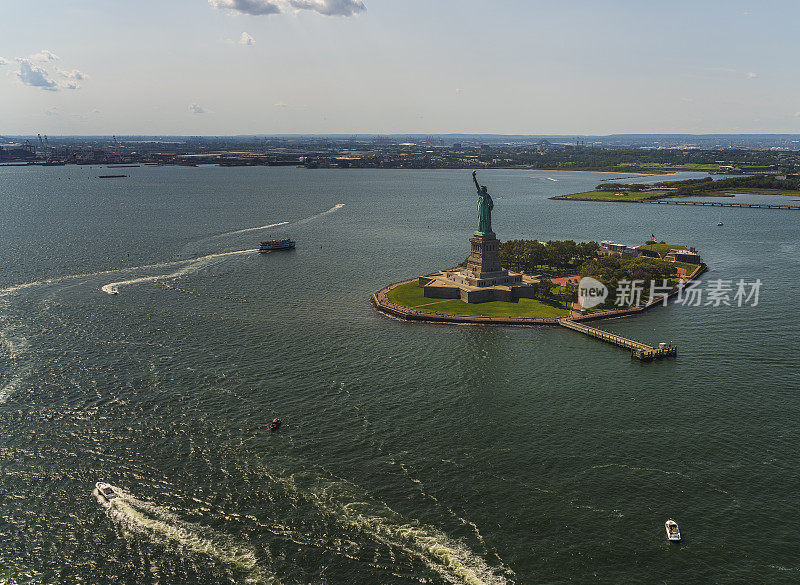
pixel 485 205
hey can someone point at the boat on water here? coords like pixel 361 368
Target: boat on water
pixel 107 491
pixel 275 424
pixel 673 532
pixel 270 245
pixel 719 222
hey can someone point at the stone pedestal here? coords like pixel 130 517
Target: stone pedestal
pixel 484 259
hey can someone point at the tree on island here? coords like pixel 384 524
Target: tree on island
pixel 610 270
pixel 534 257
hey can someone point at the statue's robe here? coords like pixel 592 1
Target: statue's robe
pixel 485 206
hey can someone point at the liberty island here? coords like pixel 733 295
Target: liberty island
pixel 482 291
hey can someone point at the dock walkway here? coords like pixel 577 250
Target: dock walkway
pixel 718 204
pixel 640 351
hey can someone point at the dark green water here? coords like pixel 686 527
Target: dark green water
pixel 411 452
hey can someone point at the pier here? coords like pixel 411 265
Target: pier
pixel 717 204
pixel 640 351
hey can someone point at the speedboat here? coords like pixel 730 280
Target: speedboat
pixel 275 424
pixel 719 223
pixel 107 492
pixel 673 533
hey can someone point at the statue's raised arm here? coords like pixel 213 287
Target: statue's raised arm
pixel 475 178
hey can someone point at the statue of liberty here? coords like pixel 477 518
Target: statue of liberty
pixel 485 205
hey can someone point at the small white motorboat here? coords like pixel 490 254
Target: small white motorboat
pixel 107 492
pixel 673 532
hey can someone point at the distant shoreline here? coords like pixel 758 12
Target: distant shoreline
pixel 388 168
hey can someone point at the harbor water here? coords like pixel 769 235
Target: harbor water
pixel 409 452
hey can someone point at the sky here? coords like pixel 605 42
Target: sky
pixel 224 67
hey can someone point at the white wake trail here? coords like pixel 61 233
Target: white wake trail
pixel 9 389
pixel 252 229
pixel 193 265
pixel 451 559
pixel 57 279
pixel 333 209
pixel 336 207
pixel 150 520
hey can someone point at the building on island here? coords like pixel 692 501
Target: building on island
pixel 609 248
pixel 687 256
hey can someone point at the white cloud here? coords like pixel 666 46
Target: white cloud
pixel 195 108
pixel 752 75
pixel 35 76
pixel 37 71
pixel 265 7
pixel 246 39
pixel 44 56
pixel 74 74
pixel 330 7
pixel 73 77
pixel 253 7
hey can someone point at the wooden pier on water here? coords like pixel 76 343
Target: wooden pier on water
pixel 640 351
pixel 717 204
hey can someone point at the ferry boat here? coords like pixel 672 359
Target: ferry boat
pixel 673 532
pixel 270 245
pixel 107 492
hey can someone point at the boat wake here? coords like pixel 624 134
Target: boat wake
pixel 146 519
pixel 333 209
pixel 303 221
pixel 347 505
pixel 58 279
pixel 190 266
pixel 252 229
pixel 10 388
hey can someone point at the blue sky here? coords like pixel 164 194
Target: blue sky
pixel 397 66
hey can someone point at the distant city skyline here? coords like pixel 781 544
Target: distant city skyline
pixel 228 67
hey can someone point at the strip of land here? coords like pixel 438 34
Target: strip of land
pixel 707 187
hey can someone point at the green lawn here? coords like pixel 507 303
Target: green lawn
pixel 663 248
pixel 411 295
pixel 618 196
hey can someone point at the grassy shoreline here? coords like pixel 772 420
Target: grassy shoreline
pixel 411 296
pixel 644 195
